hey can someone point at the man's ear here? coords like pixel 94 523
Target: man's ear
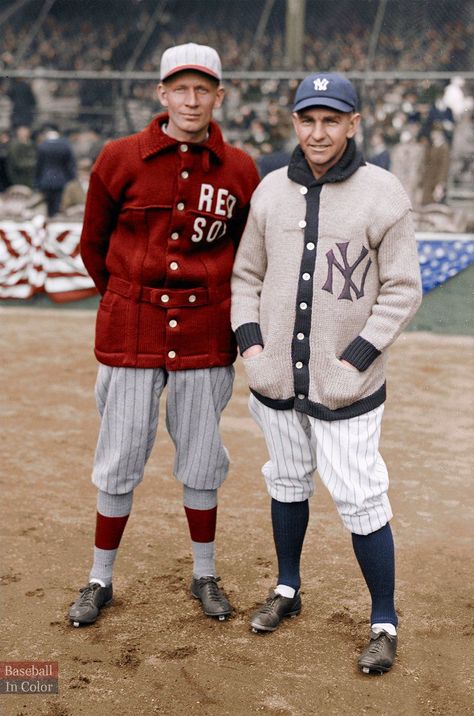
pixel 294 119
pixel 162 94
pixel 219 97
pixel 353 125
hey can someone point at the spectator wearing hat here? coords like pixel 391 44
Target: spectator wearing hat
pixel 75 191
pixel 436 169
pixel 325 278
pixel 165 212
pixel 440 116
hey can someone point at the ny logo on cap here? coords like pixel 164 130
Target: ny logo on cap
pixel 320 85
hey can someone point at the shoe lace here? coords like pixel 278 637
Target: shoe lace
pixel 87 594
pixel 269 604
pixel 214 591
pixel 376 645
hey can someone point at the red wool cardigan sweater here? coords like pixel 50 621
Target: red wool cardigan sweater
pixel 162 223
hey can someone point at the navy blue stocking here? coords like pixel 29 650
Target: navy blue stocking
pixel 289 521
pixel 376 556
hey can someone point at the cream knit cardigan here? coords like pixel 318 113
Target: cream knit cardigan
pixel 367 212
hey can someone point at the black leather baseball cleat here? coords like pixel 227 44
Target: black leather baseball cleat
pixel 379 655
pixel 87 606
pixel 276 607
pixel 213 600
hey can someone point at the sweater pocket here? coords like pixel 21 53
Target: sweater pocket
pixel 266 375
pixel 340 385
pixel 110 324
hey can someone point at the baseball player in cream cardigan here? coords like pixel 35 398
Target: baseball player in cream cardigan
pixel 325 279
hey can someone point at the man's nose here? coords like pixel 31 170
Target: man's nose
pixel 318 132
pixel 191 98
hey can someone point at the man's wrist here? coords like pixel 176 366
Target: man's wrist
pixel 248 335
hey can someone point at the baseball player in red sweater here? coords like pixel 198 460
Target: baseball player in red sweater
pixel 165 211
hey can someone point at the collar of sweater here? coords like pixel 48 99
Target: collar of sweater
pixel 348 164
pixel 154 140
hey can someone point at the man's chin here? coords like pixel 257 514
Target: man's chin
pixel 192 126
pixel 318 159
pixel 321 154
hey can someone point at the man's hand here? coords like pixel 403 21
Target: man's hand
pixel 252 351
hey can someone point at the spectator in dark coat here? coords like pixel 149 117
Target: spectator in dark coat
pixel 4 142
pixel 56 167
pixel 274 157
pixel 440 115
pixel 379 154
pixel 22 156
pixel 267 163
pixel 23 103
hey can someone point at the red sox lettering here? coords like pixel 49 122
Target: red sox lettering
pixel 219 202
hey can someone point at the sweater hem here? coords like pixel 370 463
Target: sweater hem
pixel 321 412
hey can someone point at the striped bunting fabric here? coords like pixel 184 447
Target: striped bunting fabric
pixel 39 256
pixel 36 256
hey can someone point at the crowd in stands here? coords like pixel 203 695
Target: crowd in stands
pixel 424 143
pixel 45 172
pixel 105 35
pixel 420 131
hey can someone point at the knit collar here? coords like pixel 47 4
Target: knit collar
pixel 299 171
pixel 154 140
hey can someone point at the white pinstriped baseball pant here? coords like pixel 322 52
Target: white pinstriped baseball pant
pixel 128 402
pixel 345 453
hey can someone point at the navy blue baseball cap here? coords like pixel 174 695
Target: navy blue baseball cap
pixel 326 89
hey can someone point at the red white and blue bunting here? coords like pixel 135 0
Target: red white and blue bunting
pixel 39 256
pixel 442 256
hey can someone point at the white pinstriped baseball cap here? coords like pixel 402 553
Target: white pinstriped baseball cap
pixel 190 57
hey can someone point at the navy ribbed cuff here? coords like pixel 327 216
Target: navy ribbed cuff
pixel 360 353
pixel 248 334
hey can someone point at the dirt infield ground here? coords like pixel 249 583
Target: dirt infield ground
pixel 153 651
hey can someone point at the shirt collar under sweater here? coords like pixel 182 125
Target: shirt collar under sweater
pixel 348 164
pixel 154 140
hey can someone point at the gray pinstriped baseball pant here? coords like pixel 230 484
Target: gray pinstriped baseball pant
pixel 128 402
